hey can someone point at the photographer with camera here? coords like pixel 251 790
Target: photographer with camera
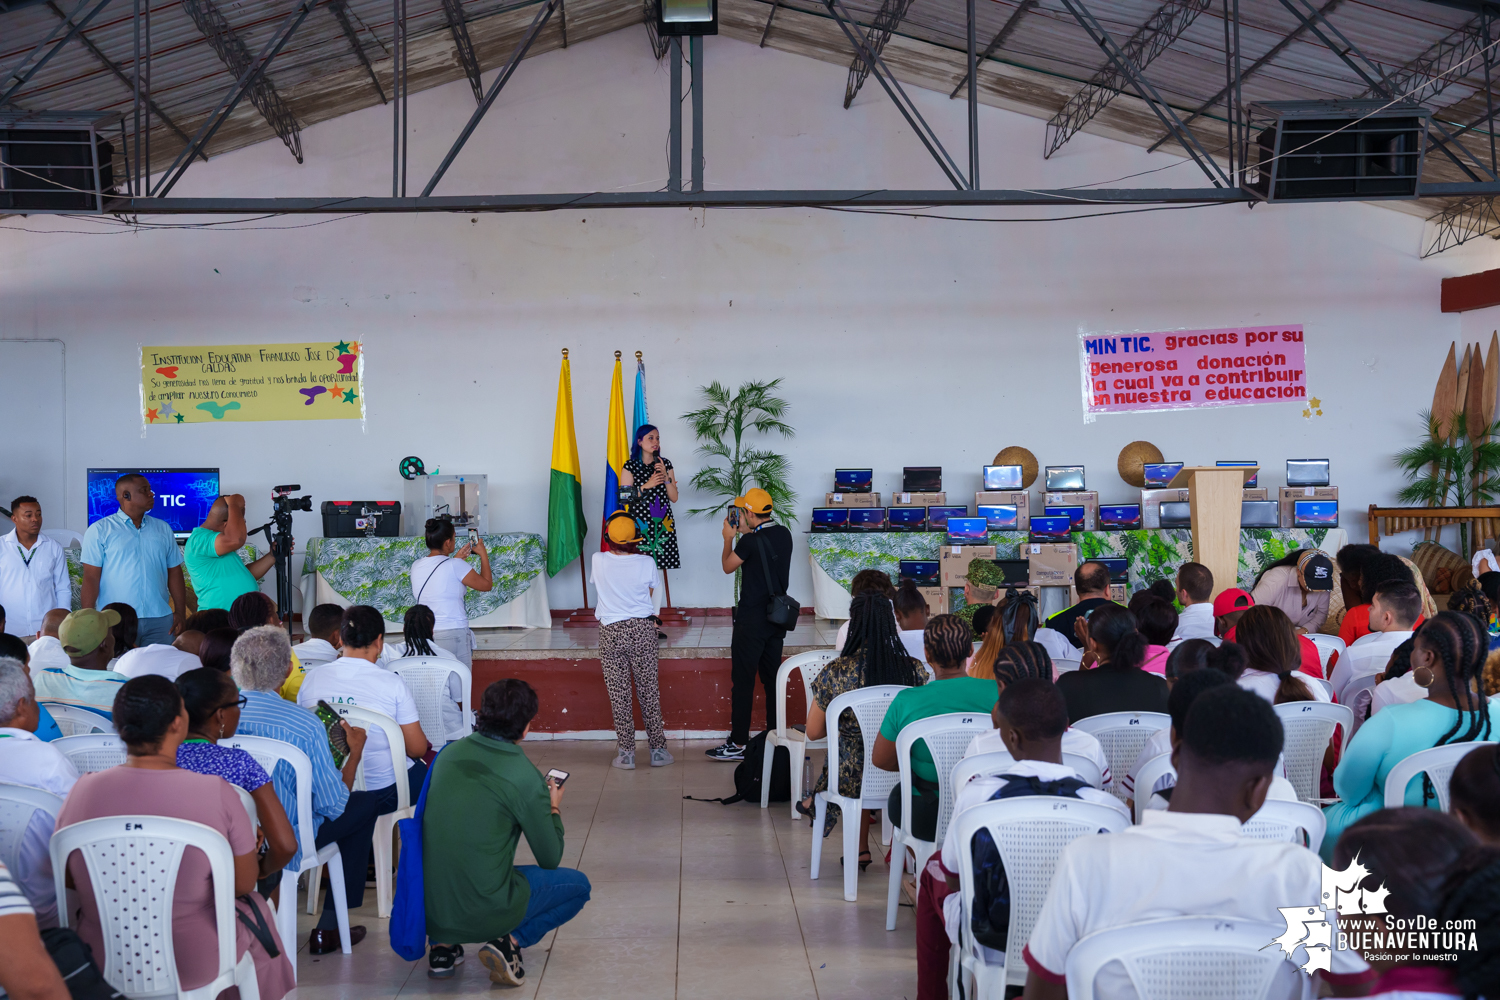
pixel 441 578
pixel 213 559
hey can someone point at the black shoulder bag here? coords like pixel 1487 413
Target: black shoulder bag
pixel 783 610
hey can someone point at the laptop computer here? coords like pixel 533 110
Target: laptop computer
pixel 866 518
pixel 1072 512
pixel 853 480
pixel 906 519
pixel 1307 472
pixel 937 517
pixel 1176 514
pixel 922 479
pixel 1001 516
pixel 1064 478
pixel 1119 569
pixel 1002 477
pixel 828 519
pixel 922 572
pixel 1017 572
pixel 1119 516
pixel 1051 529
pixel 1159 474
pixel 968 531
pixel 1249 483
pixel 1260 514
pixel 1315 513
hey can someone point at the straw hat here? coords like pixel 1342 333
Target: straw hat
pixel 1016 455
pixel 1133 459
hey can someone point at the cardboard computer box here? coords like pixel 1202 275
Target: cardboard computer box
pixel 953 560
pixel 919 500
pixel 1087 499
pixel 1151 501
pixel 936 598
pixel 1289 495
pixel 1257 493
pixel 1020 498
pixel 1052 564
pixel 852 500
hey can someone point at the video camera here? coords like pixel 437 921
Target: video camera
pixel 282 505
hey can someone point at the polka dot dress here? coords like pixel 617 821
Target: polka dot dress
pixel 653 506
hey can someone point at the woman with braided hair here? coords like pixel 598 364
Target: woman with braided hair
pixel 1447 656
pixel 1474 793
pixel 871 655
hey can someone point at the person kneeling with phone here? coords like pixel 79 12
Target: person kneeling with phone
pixel 483 794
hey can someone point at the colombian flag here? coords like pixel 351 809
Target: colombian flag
pixel 616 448
pixel 565 522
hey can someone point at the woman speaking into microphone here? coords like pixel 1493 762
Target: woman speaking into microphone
pixel 625 578
pixel 656 492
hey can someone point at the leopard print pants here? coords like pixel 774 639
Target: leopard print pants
pixel 628 648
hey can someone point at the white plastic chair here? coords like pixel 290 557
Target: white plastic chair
pixel 248 801
pixel 136 916
pixel 1279 819
pixel 797 744
pixel 93 751
pixel 1062 666
pixel 268 753
pixel 1122 734
pixel 72 720
pixel 1029 832
pixel 64 536
pixel 427 677
pixel 1357 696
pixel 385 826
pixel 1308 726
pixel 1151 772
pixel 1057 645
pixel 18 804
pixel 997 762
pixel 1327 646
pixel 1327 687
pixel 946 737
pixel 1221 957
pixel 868 705
pixel 1437 763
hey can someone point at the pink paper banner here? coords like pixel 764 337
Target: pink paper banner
pixel 1186 369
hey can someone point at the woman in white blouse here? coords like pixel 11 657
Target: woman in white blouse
pixel 442 578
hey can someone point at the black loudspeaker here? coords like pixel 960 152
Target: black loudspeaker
pixel 1337 150
pixel 53 170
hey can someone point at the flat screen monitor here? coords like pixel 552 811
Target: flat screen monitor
pixel 1176 514
pixel 1073 512
pixel 1260 514
pixel 1315 513
pixel 830 519
pixel 906 518
pixel 937 517
pixel 1119 569
pixel 1249 483
pixel 1159 474
pixel 1062 478
pixel 1017 571
pixel 1001 516
pixel 922 479
pixel 922 572
pixel 1002 477
pixel 968 530
pixel 1119 516
pixel 183 496
pixel 867 518
pixel 853 480
pixel 1307 472
pixel 1049 528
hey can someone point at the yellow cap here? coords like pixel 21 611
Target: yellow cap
pixel 756 501
pixel 621 529
pixel 82 631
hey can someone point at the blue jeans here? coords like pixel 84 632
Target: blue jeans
pixel 154 630
pixel 557 894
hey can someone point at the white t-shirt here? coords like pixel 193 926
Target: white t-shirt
pixel 1073 741
pixel 1396 691
pixel 47 652
pixel 1176 865
pixel 912 639
pixel 1369 654
pixel 438 582
pixel 624 581
pixel 352 681
pixel 165 661
pixel 314 651
pixel 1265 684
pixel 26 760
pixel 1196 621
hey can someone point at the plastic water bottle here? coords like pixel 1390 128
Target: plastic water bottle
pixel 807 778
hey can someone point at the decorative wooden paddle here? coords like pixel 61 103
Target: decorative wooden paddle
pixel 1442 416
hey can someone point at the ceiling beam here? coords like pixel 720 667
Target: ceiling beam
pixel 1001 37
pixel 887 18
pixel 232 51
pixel 340 11
pixel 454 11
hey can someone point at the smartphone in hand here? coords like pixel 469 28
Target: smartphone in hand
pixel 558 776
pixel 473 536
pixel 734 517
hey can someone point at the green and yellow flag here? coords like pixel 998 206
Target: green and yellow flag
pixel 565 523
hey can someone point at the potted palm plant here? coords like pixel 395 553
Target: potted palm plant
pixel 1457 469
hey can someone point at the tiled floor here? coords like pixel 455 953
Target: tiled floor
pixel 690 900
pixel 713 632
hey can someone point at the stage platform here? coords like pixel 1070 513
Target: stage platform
pixel 693 676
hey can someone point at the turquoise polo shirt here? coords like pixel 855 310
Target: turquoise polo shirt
pixel 133 562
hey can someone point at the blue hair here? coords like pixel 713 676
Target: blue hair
pixel 640 432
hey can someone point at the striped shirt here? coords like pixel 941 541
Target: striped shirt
pixel 12 902
pixel 268 715
pixel 94 690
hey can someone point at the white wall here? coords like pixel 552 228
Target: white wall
pixel 901 341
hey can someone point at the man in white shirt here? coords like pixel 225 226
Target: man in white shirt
pixel 46 650
pixel 1395 611
pixel 26 760
pixel 86 680
pixel 33 570
pixel 168 661
pixel 1195 591
pixel 323 642
pixel 1191 859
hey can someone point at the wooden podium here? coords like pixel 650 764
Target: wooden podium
pixel 1214 502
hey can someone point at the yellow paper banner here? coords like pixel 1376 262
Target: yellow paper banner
pixel 196 385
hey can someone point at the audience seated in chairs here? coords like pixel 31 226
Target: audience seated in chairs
pixel 322 642
pixel 1091 581
pixel 46 648
pixel 253 609
pixel 1032 720
pixel 27 971
pixel 417 629
pixel 26 760
pixel 1195 590
pixel 14 647
pixel 87 680
pixel 1474 793
pixel 151 719
pixel 158 658
pixel 1446 658
pixel 354 679
pixel 948 641
pixel 1382 567
pixel 483 795
pixel 1273 657
pixel 1191 859
pixel 261 661
pixel 1116 682
pixel 216 647
pixel 1157 621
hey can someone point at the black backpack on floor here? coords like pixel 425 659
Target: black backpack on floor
pixel 747 775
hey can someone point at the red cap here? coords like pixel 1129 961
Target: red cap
pixel 1233 599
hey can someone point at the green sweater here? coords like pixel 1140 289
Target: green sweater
pixel 484 794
